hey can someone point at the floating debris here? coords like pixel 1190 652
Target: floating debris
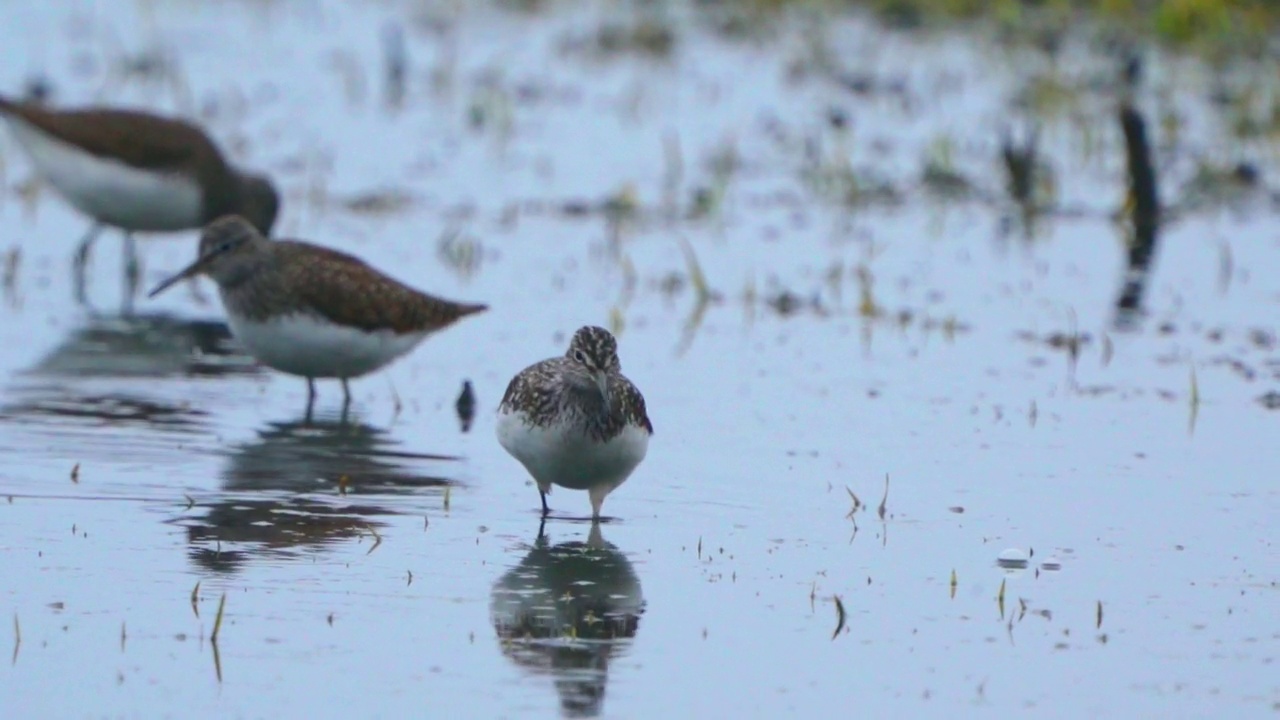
pixel 461 252
pixel 857 503
pixel 395 64
pixel 1051 564
pixel 1022 165
pixel 379 202
pixel 786 303
pixel 466 406
pixel 840 616
pixel 75 473
pixel 12 263
pixel 1013 559
pixel 648 37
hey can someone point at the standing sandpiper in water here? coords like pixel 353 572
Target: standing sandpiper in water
pixel 137 172
pixel 311 311
pixel 576 420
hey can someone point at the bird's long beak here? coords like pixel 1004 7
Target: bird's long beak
pixel 191 270
pixel 602 382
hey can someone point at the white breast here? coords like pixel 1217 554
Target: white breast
pixel 312 347
pixel 112 192
pixel 562 454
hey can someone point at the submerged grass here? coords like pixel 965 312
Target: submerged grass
pixel 217 620
pixel 1214 25
pixel 1000 597
pixel 1194 402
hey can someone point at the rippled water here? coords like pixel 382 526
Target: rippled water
pixel 875 400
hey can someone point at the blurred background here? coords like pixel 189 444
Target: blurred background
pixel 956 322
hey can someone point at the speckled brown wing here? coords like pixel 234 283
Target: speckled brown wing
pixel 138 139
pixel 345 290
pixel 511 398
pixel 532 391
pixel 633 407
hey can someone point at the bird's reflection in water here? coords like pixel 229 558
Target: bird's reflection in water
pixel 567 610
pixel 92 393
pixel 146 346
pixel 64 405
pixel 298 487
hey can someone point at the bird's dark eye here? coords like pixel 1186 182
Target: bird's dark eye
pixel 225 247
pixel 580 356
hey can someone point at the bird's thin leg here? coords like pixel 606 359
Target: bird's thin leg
pixel 132 269
pixel 346 402
pixel 545 510
pixel 311 398
pixel 597 495
pixel 81 261
pixel 132 273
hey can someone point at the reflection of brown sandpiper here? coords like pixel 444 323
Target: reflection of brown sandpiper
pixel 576 420
pixel 137 172
pixel 311 311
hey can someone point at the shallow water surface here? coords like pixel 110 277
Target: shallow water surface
pixel 892 397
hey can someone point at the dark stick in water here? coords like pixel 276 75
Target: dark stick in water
pixel 1146 212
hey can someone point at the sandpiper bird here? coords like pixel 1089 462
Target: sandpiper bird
pixel 137 172
pixel 576 421
pixel 311 311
